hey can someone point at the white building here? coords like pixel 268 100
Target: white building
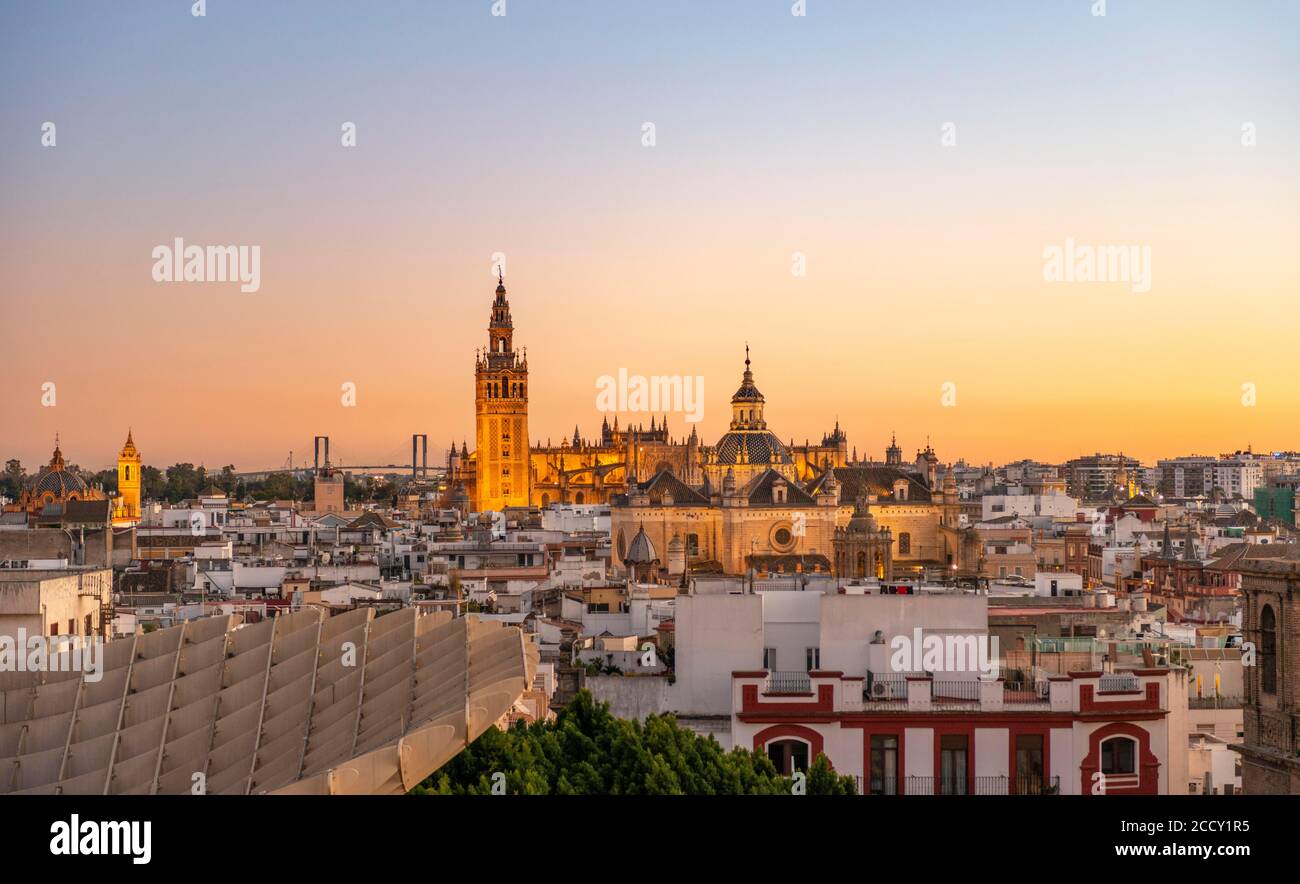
pixel 1060 507
pixel 576 518
pixel 799 632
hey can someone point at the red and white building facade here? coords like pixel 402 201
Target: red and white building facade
pixel 1085 733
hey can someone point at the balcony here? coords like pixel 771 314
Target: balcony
pixel 995 785
pixel 788 683
pixel 1026 693
pixel 1119 682
pixel 892 691
pixel 826 692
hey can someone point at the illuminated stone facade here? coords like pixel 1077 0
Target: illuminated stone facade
pixel 499 468
pixel 126 506
pixel 750 500
pixel 54 484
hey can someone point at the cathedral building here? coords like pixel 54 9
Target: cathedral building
pixel 772 508
pixel 594 471
pixel 748 502
pixel 504 470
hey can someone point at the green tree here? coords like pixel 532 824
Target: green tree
pixel 107 479
pixel 822 780
pixel 587 751
pixel 153 486
pixel 185 481
pixel 281 486
pixel 226 480
pixel 11 480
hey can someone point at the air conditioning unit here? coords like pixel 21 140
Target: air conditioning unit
pixel 879 690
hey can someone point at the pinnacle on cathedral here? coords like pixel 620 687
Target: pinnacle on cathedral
pixel 747 392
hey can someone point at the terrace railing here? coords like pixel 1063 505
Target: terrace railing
pixel 1119 681
pixel 1026 692
pixel 788 682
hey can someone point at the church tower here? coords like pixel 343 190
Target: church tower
pixel 501 460
pixel 126 509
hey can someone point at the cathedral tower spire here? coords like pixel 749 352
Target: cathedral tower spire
pixel 747 403
pixel 501 476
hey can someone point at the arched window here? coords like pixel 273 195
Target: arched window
pixel 1119 756
pixel 1268 650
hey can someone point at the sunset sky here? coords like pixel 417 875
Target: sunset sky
pixel 774 134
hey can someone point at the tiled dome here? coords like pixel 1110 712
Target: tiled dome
pixel 56 480
pixel 759 447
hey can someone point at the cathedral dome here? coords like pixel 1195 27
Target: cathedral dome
pixel 752 446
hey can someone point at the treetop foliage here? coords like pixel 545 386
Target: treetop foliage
pixel 587 751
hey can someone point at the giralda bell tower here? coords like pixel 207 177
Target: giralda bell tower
pixel 501 415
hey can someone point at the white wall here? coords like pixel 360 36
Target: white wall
pixel 716 635
pixel 791 625
pixel 992 752
pixel 850 622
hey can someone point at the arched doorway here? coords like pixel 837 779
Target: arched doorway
pixel 789 755
pixel 791 747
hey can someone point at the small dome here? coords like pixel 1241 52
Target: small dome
pixel 56 480
pixel 641 551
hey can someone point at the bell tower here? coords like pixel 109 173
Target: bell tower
pixel 126 509
pixel 501 476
